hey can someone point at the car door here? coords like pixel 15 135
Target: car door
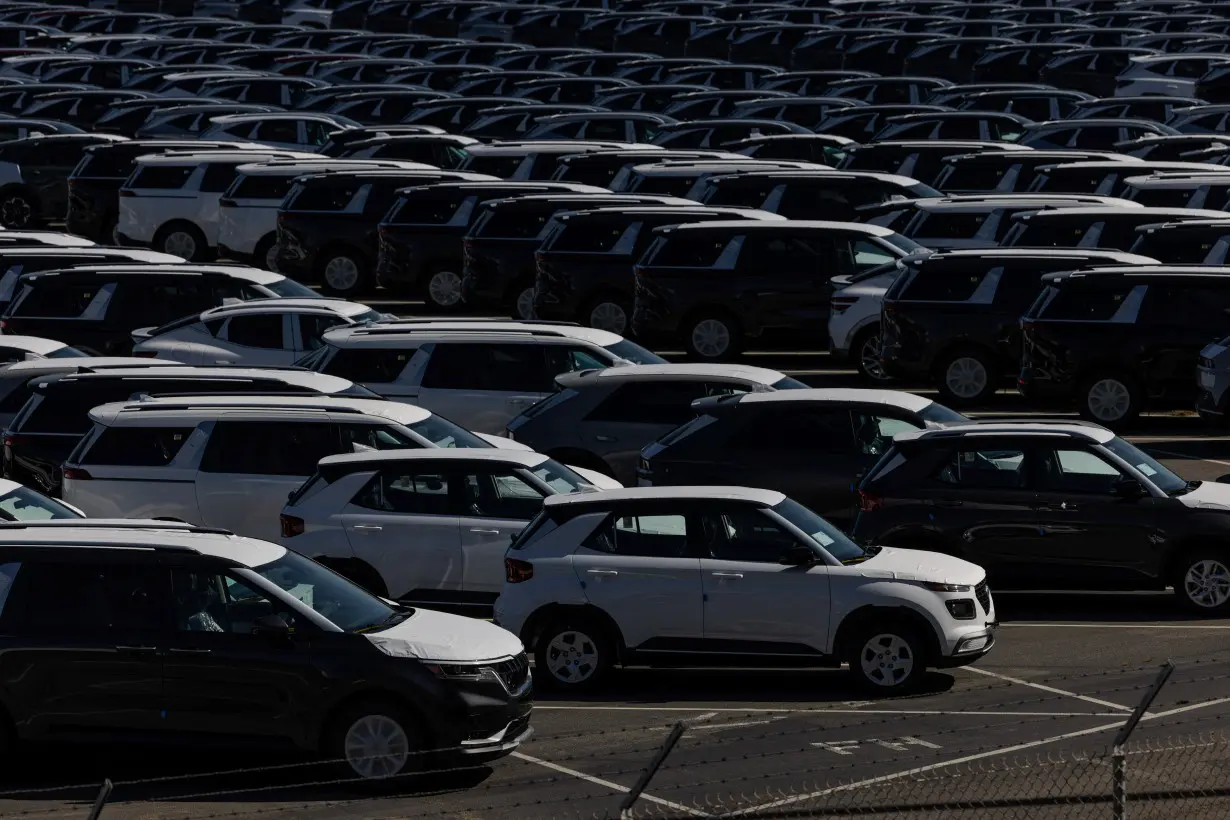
pixel 788 276
pixel 753 603
pixel 249 468
pixel 483 385
pixel 91 635
pixel 220 678
pixel 499 502
pixel 1092 534
pixel 257 340
pixel 1176 322
pixel 641 568
pixel 405 523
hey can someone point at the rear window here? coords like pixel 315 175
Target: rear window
pixel 423 210
pixel 324 197
pixel 938 285
pixel 1082 304
pixel 683 251
pixel 510 223
pixel 502 167
pixel 632 352
pixel 162 177
pixel 585 237
pixel 137 446
pixel 262 186
pixel 685 430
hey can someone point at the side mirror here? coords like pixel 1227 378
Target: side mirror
pixel 271 626
pixel 1128 488
pixel 798 556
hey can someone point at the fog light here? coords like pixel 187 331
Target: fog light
pixel 973 644
pixel 961 608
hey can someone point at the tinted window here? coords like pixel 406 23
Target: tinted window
pixel 745 534
pixel 506 367
pixel 137 446
pixel 656 402
pixel 653 536
pixel 325 197
pixel 263 186
pixel 1087 304
pixel 163 177
pixel 16 399
pixel 313 326
pixel 359 437
pixel 938 285
pixel 218 177
pixel 501 494
pixel 113 599
pixel 799 429
pixel 396 491
pixel 683 251
pixel 1017 288
pixel 1190 304
pixel 263 331
pixel 948 225
pixel 988 469
pixel 368 364
pixel 56 300
pixel 269 448
pixel 587 237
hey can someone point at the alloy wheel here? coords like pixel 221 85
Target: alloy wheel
pixel 376 746
pixel 887 660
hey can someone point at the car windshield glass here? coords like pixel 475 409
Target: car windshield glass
pixel 26 505
pixel 1165 480
pixel 822 532
pixel 936 413
pixel 67 353
pixel 348 606
pixel 878 270
pixel 632 352
pixel 443 433
pixel 789 383
pixel 904 243
pixel 368 316
pixel 288 288
pixel 558 477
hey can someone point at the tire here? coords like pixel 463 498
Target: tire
pixel 864 352
pixel 712 336
pixel 966 377
pixel 574 654
pixel 522 300
pixel 1202 581
pixel 183 240
pixel 266 254
pixel 442 290
pixel 886 657
pixel 608 313
pixel 1109 399
pixel 344 273
pixel 354 740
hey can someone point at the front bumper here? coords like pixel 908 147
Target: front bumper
pixel 964 657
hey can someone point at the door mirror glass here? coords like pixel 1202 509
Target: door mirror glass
pixel 1128 488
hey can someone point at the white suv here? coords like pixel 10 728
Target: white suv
pixel 480 373
pixel 170 201
pixel 854 319
pixel 689 575
pixel 427 527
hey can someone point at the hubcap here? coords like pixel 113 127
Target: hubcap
pixel 609 316
pixel 1207 583
pixel 887 660
pixel 710 338
pixel 376 746
pixel 444 288
pixel 15 212
pixel 869 358
pixel 525 304
pixel 966 377
pixel 572 657
pixel 1109 400
pixel 342 273
pixel 181 244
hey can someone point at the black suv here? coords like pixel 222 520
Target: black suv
pixel 808 444
pixel 35 189
pixel 1111 227
pixel 835 195
pixel 57 413
pixel 1003 172
pixel 1058 505
pixel 712 286
pixel 953 317
pixel 1197 242
pixel 1110 340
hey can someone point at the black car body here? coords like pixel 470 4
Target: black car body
pixel 1003 172
pixel 1194 242
pixel 1104 177
pixel 918 158
pixel 1096 134
pixel 40 193
pixel 601 167
pixel 1112 228
pixel 823 149
pixel 832 195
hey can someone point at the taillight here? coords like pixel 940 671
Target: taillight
pixel 868 501
pixel 839 304
pixel 516 571
pixel 75 473
pixel 291 526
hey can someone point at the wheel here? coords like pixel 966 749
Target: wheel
pixel 182 240
pixel 523 305
pixel 574 654
pixel 1109 399
pixel 1203 583
pixel 966 377
pixel 712 337
pixel 266 253
pixel 607 313
pixel 374 740
pixel 110 233
pixel 442 290
pixel 886 658
pixel 17 210
pixel 343 273
pixel 865 353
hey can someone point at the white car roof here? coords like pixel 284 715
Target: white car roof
pixel 744 225
pixel 130 533
pixel 699 370
pixel 291 168
pixel 767 497
pixel 341 307
pixel 197 157
pixel 896 398
pixel 1089 432
pixel 33 344
pixel 254 275
pixel 151 409
pixel 55 239
pixel 527 458
pixel 394 329
pixel 40 367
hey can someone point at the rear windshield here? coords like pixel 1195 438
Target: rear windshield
pixel 685 430
pixel 510 223
pixel 585 237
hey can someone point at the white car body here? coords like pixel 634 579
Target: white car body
pixel 1166 74
pixel 856 308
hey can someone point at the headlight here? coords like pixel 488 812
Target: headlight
pixel 947 587
pixel 459 671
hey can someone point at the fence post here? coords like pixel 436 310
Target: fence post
pixel 101 800
pixel 1118 758
pixel 651 769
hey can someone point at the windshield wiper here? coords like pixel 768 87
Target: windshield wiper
pixel 1187 488
pixel 392 619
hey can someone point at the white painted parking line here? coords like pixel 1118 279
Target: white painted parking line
pixel 1043 687
pixel 824 711
pixel 606 784
pixel 1020 747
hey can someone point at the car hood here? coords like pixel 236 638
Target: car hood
pixel 921 565
pixel 439 636
pixel 1210 495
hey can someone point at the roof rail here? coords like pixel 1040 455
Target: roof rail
pixel 381 329
pixel 1029 420
pixel 412 320
pixel 243 400
pixel 95 524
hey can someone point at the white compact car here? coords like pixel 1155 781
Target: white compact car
pixel 693 575
pixel 427 527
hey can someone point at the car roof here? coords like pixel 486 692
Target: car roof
pixel 316 166
pixel 1031 253
pixel 279 305
pixel 653 372
pixel 34 344
pixel 748 224
pixel 298 378
pixel 141 534
pixel 495 149
pixel 254 275
pixel 863 395
pixel 767 498
pixel 979 202
pixel 1097 211
pixel 393 328
pixel 1177 180
pixel 193 157
pixel 526 458
pixel 152 407
pixel 82 364
pixel 1089 432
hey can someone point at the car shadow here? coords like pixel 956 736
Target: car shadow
pixel 1092 606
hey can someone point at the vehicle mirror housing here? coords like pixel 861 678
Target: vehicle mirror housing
pixel 798 556
pixel 1128 488
pixel 271 626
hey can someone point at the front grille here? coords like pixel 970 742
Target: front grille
pixel 983 593
pixel 513 671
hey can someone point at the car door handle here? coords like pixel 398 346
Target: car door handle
pixel 1063 506
pixel 192 651
pixel 947 502
pixel 606 438
pixel 602 573
pixel 367 527
pixel 734 576
pixel 485 532
pixel 137 650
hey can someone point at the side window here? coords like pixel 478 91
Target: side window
pixel 218 177
pixel 1188 304
pixel 107 599
pixel 269 448
pixel 396 491
pixel 56 300
pixel 1017 289
pixel 312 327
pixel 650 536
pixel 500 495
pixel 496 367
pixel 8 355
pixel 873 433
pixel 566 359
pixel 366 364
pixel 802 431
pixel 987 469
pixel 317 134
pixel 1077 471
pixel 164 301
pixel 744 534
pixel 651 403
pixel 279 131
pixel 8 574
pixel 205 601
pixel 262 330
pixel 930 284
pixel 163 177
pixel 15 399
pixel 137 446
pixel 326 196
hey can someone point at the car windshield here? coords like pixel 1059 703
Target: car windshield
pixel 632 352
pixel 67 353
pixel 23 504
pixel 443 433
pixel 369 316
pixel 789 383
pixel 903 243
pixel 289 288
pixel 1152 469
pixel 822 532
pixel 348 606
pixel 558 477
pixel 936 413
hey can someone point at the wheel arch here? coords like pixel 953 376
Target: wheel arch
pixel 531 631
pixel 866 615
pixel 320 736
